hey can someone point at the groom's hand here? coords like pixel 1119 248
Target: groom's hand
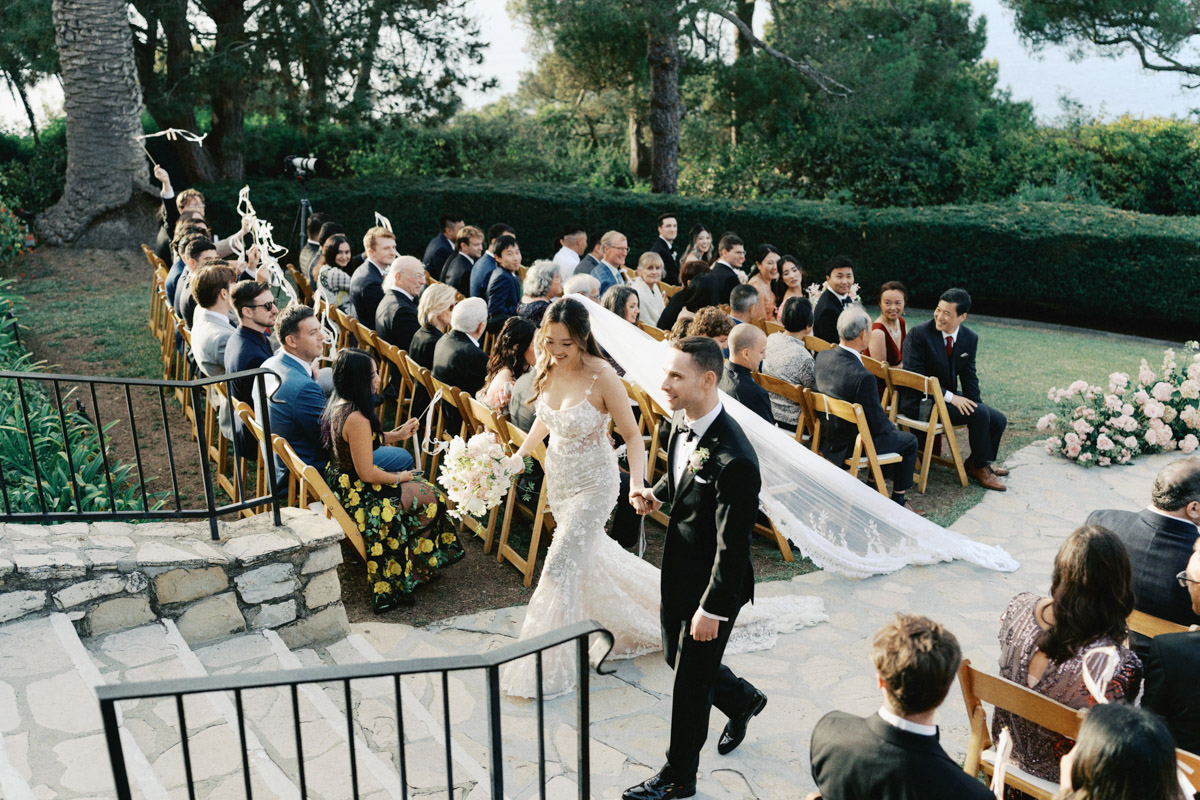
pixel 644 502
pixel 704 628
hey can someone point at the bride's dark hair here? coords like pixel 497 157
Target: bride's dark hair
pixel 574 315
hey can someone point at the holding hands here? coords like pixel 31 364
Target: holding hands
pixel 643 501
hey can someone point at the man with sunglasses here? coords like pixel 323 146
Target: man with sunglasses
pixel 248 347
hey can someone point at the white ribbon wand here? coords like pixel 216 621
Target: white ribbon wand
pixel 172 134
pixel 380 219
pixel 268 250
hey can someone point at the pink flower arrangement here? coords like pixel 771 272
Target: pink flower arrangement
pixel 1188 443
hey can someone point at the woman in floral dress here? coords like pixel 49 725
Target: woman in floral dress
pixel 402 518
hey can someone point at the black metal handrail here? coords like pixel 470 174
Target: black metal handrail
pixel 110 695
pixel 195 389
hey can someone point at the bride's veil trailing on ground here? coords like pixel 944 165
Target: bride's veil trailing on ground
pixel 839 522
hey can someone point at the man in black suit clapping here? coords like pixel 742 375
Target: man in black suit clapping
pixel 894 754
pixel 841 374
pixel 945 348
pixel 839 280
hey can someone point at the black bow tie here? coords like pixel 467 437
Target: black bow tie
pixel 686 430
pixel 846 302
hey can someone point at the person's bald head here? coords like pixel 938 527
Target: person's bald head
pixel 746 345
pixel 1176 489
pixel 408 273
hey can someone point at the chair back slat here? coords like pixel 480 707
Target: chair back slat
pixel 816 344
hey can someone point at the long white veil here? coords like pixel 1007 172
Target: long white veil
pixel 839 522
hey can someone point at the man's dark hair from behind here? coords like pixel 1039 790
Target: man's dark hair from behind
pixel 917 659
pixel 313 226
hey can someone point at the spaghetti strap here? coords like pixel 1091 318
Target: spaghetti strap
pixel 588 393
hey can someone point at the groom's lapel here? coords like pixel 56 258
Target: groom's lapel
pixel 676 420
pixel 707 441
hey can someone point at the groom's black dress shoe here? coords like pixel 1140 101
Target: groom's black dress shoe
pixel 660 788
pixel 735 729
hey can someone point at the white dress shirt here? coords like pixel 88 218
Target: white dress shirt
pixel 1162 513
pixel 857 354
pixel 567 260
pixel 905 725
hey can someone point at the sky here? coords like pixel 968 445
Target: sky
pixel 1114 86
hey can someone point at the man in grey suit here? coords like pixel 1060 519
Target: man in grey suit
pixel 592 260
pixel 212 287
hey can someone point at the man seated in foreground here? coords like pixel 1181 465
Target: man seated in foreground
pixel 1172 662
pixel 746 346
pixel 894 754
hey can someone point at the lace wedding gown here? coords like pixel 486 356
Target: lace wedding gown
pixel 587 575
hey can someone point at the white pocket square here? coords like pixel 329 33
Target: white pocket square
pixel 698 479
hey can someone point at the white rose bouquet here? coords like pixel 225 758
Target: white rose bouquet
pixel 476 474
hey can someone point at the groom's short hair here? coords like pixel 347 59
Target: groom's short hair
pixel 705 352
pixel 916 659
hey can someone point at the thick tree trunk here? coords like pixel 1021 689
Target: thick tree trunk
pixel 666 108
pixel 103 102
pixel 744 9
pixel 362 81
pixel 229 92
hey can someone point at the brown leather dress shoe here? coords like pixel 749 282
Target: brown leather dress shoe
pixel 999 471
pixel 986 478
pixel 920 512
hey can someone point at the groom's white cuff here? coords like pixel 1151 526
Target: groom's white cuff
pixel 704 613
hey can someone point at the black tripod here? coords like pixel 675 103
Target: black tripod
pixel 302 214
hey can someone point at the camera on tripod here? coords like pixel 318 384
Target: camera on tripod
pixel 299 166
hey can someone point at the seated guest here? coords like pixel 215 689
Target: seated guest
pixel 481 272
pixel 651 302
pixel 504 289
pixel 572 244
pixel 458 358
pixel 248 347
pixel 592 260
pixel 433 315
pixel 763 277
pixel 700 246
pixel 746 346
pixel 615 247
pixel 786 358
pixel 196 252
pixel 840 374
pixel 409 537
pixel 743 303
pixel 183 235
pixel 312 248
pixel 945 348
pixel 521 410
pixel 396 316
pixel 585 285
pixel 622 301
pixel 212 287
pixel 1160 539
pixel 441 247
pixel 543 283
pixel 172 208
pixel 839 280
pixel 711 323
pixel 727 269
pixel 699 289
pixel 1123 753
pixel 1172 662
pixel 297 402
pixel 789 284
pixel 334 275
pixel 457 272
pixel 366 285
pixel 664 247
pixel 894 754
pixel 1044 641
pixel 512 356
pixel 888 332
pixel 680 330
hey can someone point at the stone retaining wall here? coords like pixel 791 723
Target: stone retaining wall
pixel 111 575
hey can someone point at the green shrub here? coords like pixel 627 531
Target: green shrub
pixel 13 233
pixel 32 176
pixel 1064 263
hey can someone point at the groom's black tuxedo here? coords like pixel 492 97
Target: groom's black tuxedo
pixel 706 564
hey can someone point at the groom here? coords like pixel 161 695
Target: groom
pixel 712 483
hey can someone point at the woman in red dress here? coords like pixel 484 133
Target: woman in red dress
pixel 888 332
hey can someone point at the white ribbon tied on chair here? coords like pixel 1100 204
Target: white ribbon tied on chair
pixel 1004 747
pixel 428 446
pixel 1096 679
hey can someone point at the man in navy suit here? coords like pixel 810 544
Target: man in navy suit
pixel 727 271
pixel 366 284
pixel 297 402
pixel 504 288
pixel 945 348
pixel 1160 539
pixel 481 271
pixel 839 278
pixel 1172 662
pixel 457 272
pixel 441 247
pixel 615 247
pixel 841 374
pixel 664 245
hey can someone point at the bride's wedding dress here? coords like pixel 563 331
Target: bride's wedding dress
pixel 587 575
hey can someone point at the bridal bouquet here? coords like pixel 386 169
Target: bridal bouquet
pixel 476 474
pixel 1159 412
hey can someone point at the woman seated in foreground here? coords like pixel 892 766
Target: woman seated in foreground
pixel 888 331
pixel 512 356
pixel 402 518
pixel 1046 643
pixel 1123 753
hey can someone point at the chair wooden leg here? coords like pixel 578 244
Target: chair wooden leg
pixel 771 532
pixel 506 526
pixel 952 441
pixel 926 461
pixel 535 538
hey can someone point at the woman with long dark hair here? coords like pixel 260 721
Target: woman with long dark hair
pixel 789 284
pixel 699 290
pixel 763 276
pixel 333 272
pixel 1123 753
pixel 402 518
pixel 700 246
pixel 1047 643
pixel 512 356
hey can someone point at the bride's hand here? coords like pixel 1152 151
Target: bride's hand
pixel 516 463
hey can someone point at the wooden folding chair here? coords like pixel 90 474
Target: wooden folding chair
pixel 770 326
pixel 156 307
pixel 344 325
pixel 880 370
pixel 657 333
pixel 668 289
pixel 979 688
pixel 186 373
pixel 306 291
pixel 367 338
pixel 937 425
pixel 815 344
pixel 489 421
pixel 308 489
pixel 863 454
pixel 263 461
pixel 794 393
pixel 393 368
pixel 1150 626
pixel 504 552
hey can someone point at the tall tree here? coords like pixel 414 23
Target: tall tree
pixel 27 51
pixel 103 102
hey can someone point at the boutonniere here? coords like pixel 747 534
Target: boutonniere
pixel 698 459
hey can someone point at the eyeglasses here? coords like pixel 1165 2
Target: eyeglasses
pixel 270 304
pixel 1184 580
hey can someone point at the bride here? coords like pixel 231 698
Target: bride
pixel 587 575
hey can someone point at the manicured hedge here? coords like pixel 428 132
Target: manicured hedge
pixel 1072 264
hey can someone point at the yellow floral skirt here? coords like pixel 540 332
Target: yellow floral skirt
pixel 406 546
